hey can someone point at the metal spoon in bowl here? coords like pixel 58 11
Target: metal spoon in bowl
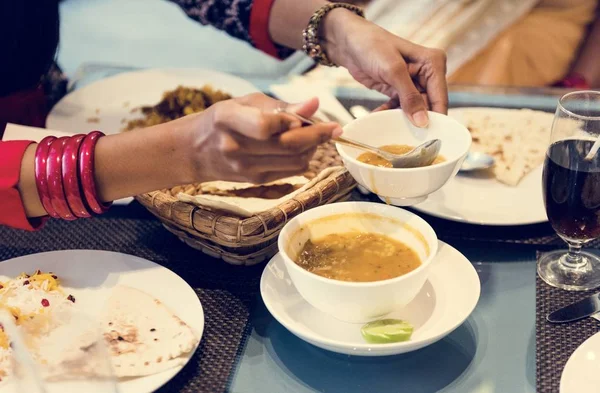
pixel 422 155
pixel 477 161
pixel 473 162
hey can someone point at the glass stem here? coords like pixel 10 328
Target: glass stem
pixel 573 259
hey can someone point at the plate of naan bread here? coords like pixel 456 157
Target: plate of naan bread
pixel 511 192
pixel 150 319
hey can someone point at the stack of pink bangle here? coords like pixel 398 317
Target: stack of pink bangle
pixel 64 175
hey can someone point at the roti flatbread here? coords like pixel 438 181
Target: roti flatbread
pixel 143 336
pixel 248 206
pixel 516 138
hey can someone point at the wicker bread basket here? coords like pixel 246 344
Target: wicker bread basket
pixel 247 241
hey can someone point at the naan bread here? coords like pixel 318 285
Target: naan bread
pixel 247 207
pixel 219 186
pixel 517 139
pixel 144 337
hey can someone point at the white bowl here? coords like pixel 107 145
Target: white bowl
pixel 405 187
pixel 358 301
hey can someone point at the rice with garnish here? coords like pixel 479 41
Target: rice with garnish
pixel 33 300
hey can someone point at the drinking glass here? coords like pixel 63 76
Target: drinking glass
pixel 571 184
pixel 71 358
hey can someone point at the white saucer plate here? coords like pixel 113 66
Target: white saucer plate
pixel 446 300
pixel 90 275
pixel 580 374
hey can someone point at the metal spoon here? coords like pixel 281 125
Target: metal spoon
pixel 422 155
pixel 477 161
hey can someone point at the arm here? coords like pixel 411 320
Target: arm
pixel 246 20
pixel 410 75
pixel 237 140
pixel 588 62
pixel 126 164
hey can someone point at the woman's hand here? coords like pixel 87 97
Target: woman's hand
pixel 411 74
pixel 244 139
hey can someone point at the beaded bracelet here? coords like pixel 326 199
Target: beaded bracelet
pixel 311 35
pixel 86 173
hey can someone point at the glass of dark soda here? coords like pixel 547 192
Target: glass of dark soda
pixel 571 182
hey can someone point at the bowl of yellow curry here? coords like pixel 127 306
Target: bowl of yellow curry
pixel 358 261
pixel 392 131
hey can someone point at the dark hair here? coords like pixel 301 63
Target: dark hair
pixel 29 32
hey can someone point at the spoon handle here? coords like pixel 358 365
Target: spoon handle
pixel 352 143
pixel 340 139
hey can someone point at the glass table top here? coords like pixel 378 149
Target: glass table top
pixel 493 351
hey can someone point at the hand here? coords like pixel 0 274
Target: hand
pixel 413 76
pixel 244 139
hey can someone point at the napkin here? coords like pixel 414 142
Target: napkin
pixel 16 132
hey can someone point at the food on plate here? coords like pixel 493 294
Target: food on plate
pixel 357 257
pixel 32 300
pixel 177 103
pixel 376 160
pixel 143 336
pixel 385 331
pixel 517 139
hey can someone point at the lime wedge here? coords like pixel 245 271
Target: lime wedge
pixel 387 331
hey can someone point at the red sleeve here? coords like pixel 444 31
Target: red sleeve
pixel 12 212
pixel 259 27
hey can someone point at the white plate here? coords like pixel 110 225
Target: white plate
pixel 478 200
pixel 447 299
pixel 90 275
pixel 111 100
pixel 581 371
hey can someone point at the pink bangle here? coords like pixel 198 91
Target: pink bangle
pixel 55 180
pixel 41 158
pixel 70 177
pixel 86 173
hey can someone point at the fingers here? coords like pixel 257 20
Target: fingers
pixel 307 108
pixel 250 121
pixel 289 143
pixel 430 70
pixel 268 104
pixel 302 139
pixel 410 98
pixel 264 169
pixel 437 92
pixel 392 103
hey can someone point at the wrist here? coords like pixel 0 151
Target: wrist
pixel 173 148
pixel 140 161
pixel 334 33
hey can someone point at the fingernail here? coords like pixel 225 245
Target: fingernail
pixel 338 131
pixel 421 119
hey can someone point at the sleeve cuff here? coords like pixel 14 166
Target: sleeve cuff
pixel 12 211
pixel 259 30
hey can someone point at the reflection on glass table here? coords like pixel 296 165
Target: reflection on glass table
pixel 493 351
